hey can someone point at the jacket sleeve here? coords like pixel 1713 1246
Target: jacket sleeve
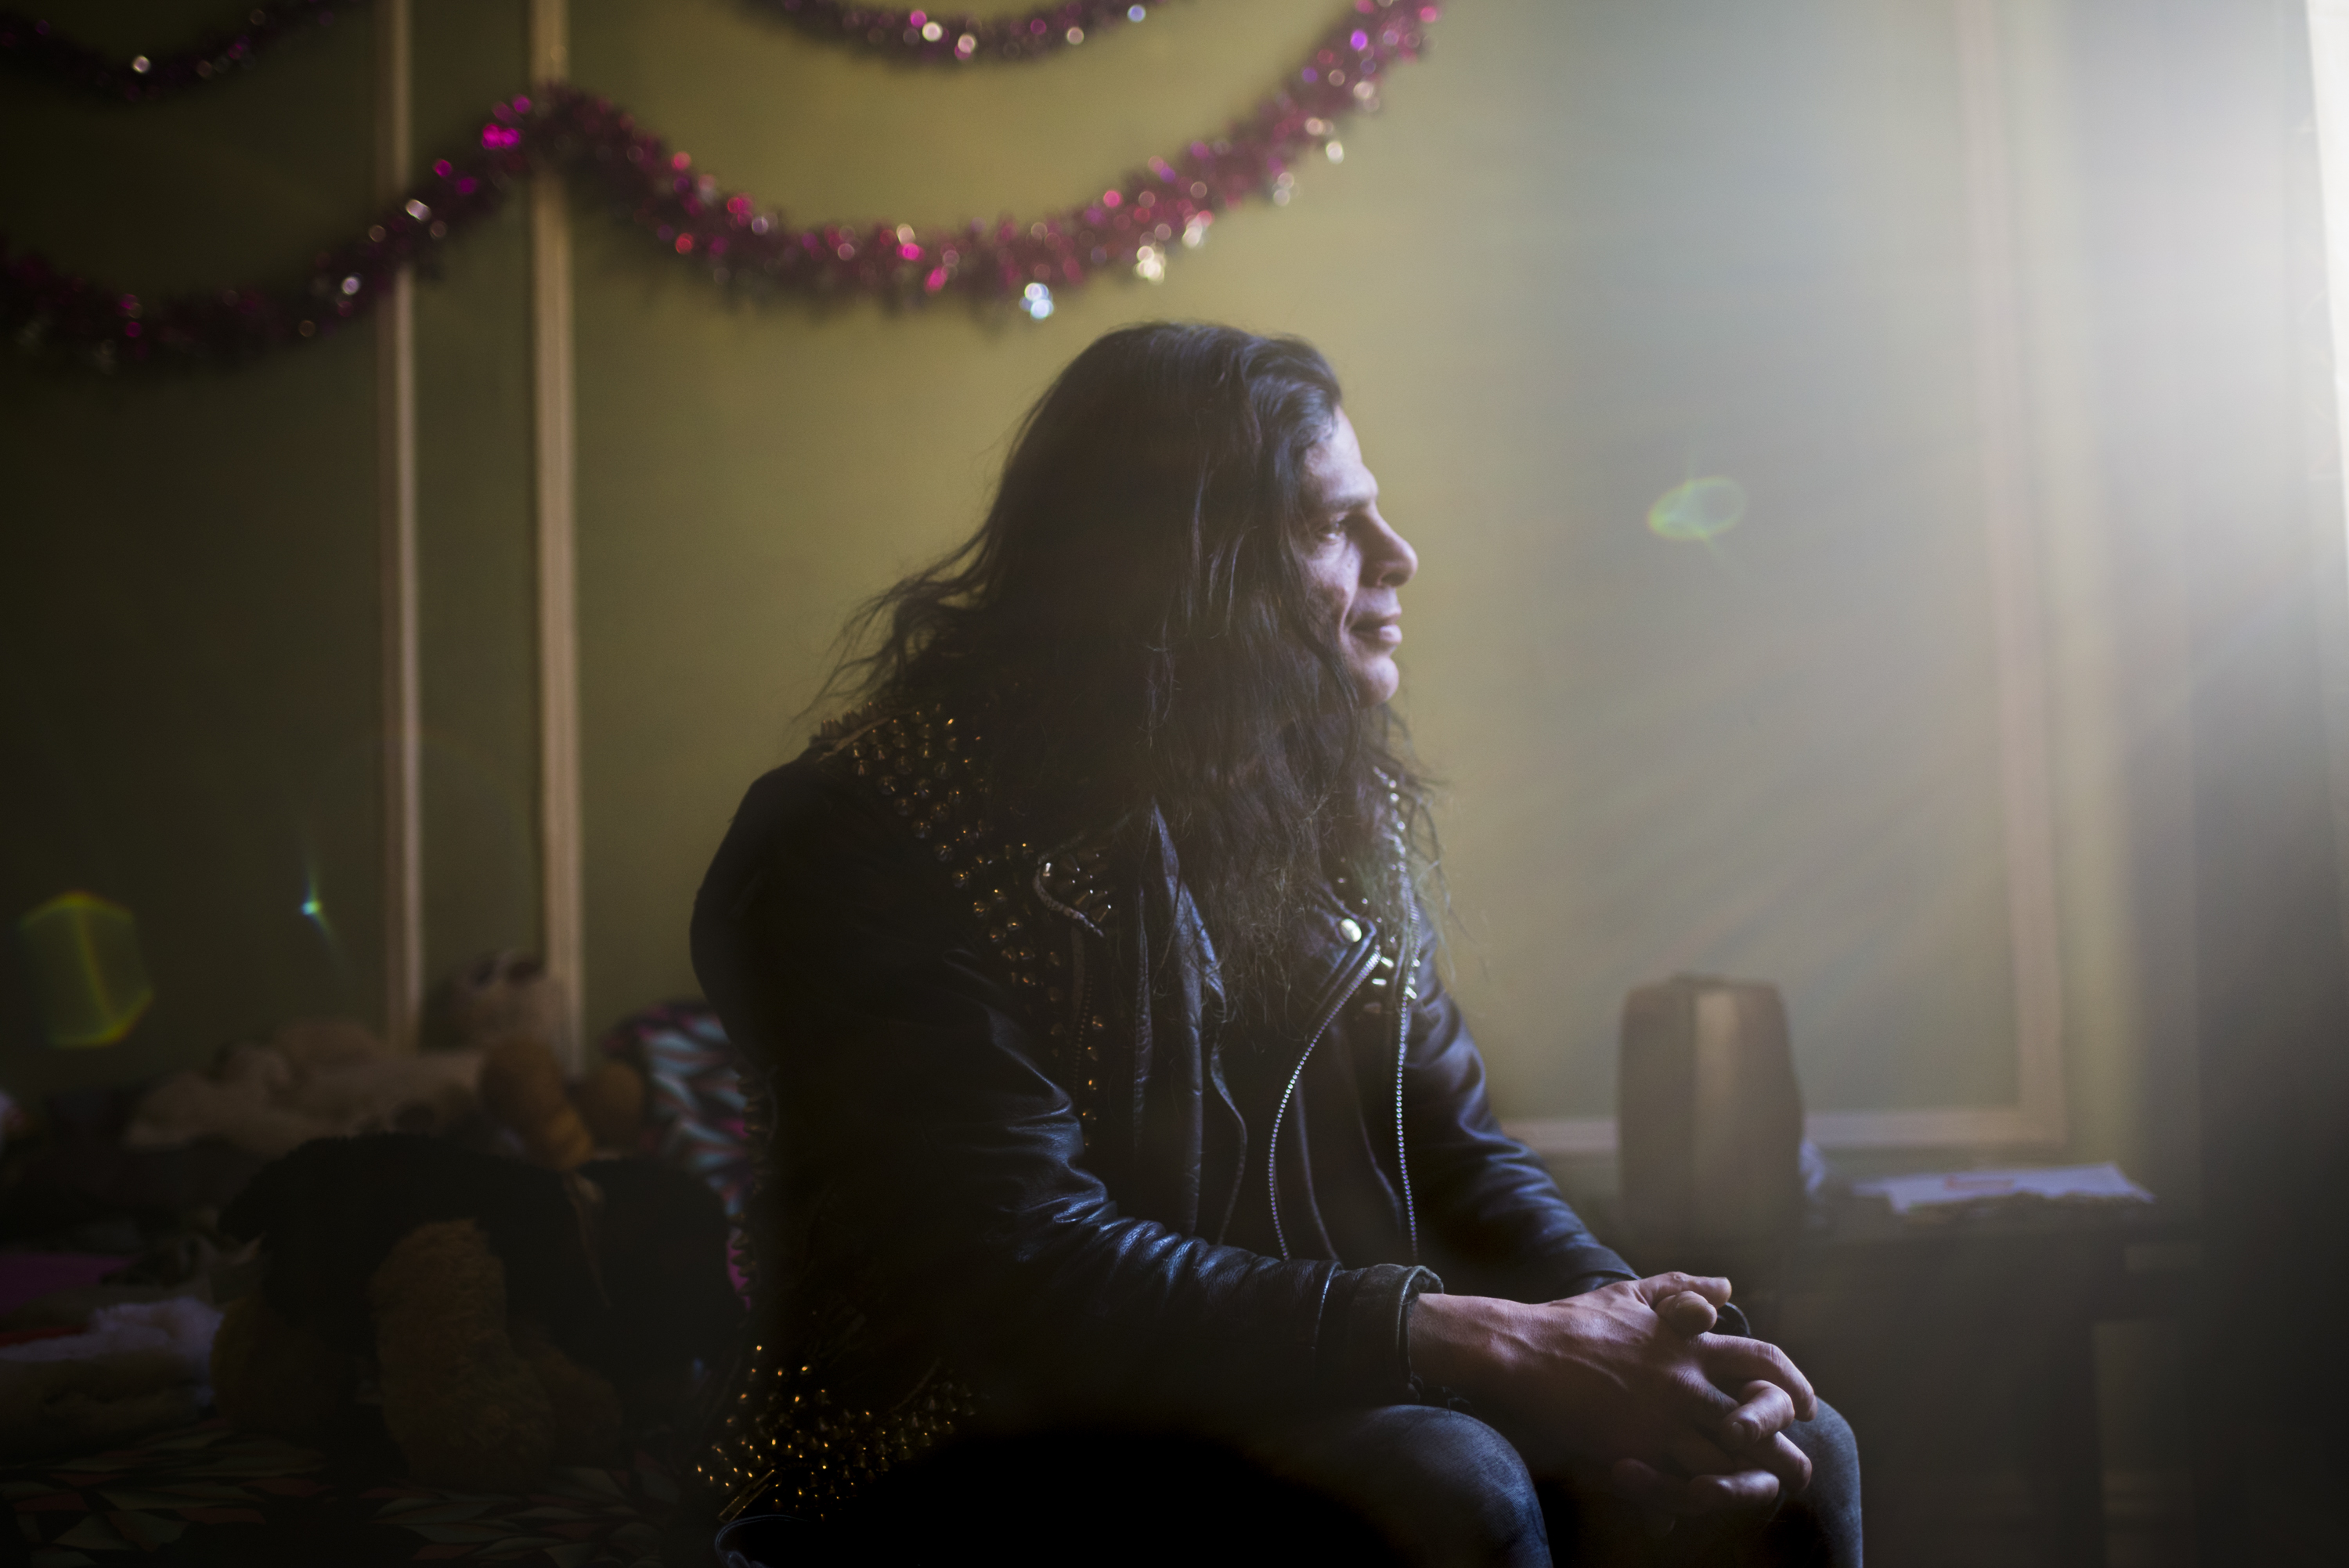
pixel 941 1163
pixel 1491 1218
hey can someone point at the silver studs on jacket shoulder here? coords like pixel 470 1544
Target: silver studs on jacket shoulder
pixel 923 762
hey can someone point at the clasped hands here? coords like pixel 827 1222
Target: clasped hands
pixel 1627 1382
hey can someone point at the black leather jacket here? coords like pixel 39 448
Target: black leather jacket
pixel 1003 1149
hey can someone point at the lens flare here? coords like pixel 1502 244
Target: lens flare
pixel 1698 510
pixel 87 967
pixel 314 908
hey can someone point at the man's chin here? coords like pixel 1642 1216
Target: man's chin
pixel 1378 679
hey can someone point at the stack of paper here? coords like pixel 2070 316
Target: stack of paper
pixel 1966 1188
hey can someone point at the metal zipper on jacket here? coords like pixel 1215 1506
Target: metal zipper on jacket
pixel 1407 975
pixel 1288 1092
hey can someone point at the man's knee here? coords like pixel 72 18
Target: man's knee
pixel 1443 1487
pixel 1830 1505
pixel 1832 1450
pixel 1460 1467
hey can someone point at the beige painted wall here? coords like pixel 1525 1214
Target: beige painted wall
pixel 187 588
pixel 1591 249
pixel 189 719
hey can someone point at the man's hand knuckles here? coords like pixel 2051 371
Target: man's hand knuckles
pixel 1758 1360
pixel 1730 1493
pixel 1796 1473
pixel 1766 1409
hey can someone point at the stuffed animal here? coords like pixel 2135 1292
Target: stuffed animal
pixel 137 1368
pixel 510 1317
pixel 560 1128
pixel 502 996
pixel 503 1006
pixel 316 1077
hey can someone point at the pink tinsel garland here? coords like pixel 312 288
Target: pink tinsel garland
pixel 1138 224
pixel 35 48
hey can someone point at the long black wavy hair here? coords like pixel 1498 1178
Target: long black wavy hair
pixel 1133 616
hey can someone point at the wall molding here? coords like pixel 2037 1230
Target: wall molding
pixel 562 846
pixel 2328 58
pixel 2002 396
pixel 400 659
pixel 2328 51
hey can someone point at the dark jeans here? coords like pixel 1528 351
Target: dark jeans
pixel 1448 1492
pixel 1412 1485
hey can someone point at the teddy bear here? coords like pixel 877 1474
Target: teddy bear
pixel 504 1009
pixel 509 1317
pixel 559 1127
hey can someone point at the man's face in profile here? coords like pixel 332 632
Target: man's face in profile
pixel 1354 562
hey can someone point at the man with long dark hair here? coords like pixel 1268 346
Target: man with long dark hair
pixel 1105 1078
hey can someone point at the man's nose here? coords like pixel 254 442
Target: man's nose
pixel 1390 562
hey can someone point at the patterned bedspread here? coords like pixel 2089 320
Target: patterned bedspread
pixel 208 1494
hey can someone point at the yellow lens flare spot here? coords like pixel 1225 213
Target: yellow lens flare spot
pixel 1698 510
pixel 86 968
